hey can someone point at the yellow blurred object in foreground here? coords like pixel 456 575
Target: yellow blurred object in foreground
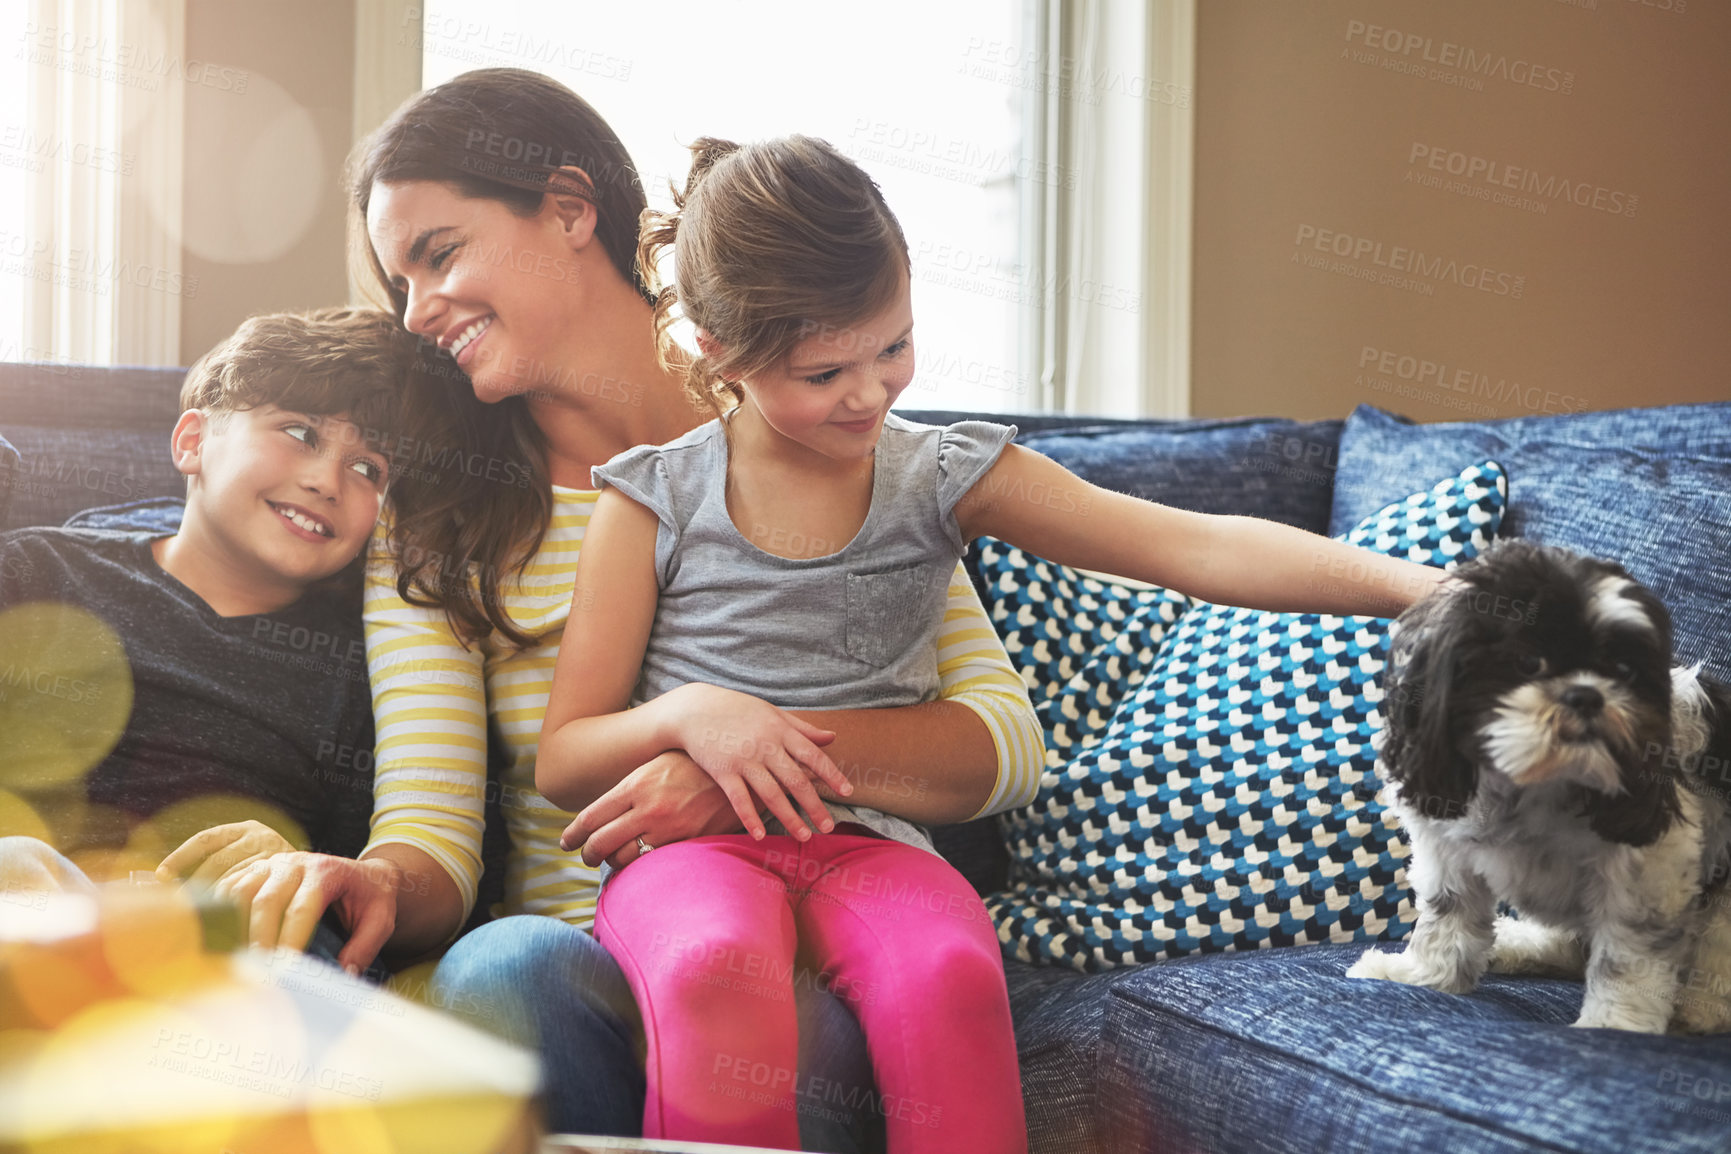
pixel 65 694
pixel 119 1032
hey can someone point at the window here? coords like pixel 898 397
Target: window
pixel 915 91
pixel 90 181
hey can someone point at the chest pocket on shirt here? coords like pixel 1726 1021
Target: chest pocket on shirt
pixel 886 613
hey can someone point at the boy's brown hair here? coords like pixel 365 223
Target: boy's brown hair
pixel 356 361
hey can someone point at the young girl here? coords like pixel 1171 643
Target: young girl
pixel 793 555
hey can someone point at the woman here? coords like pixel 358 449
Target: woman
pixel 501 215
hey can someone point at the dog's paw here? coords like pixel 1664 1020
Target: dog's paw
pixel 1407 969
pixel 1608 1016
pixel 1374 964
pixel 1525 947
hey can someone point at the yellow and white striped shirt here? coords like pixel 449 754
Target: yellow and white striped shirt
pixel 432 701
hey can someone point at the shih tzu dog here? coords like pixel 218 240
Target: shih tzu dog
pixel 1541 750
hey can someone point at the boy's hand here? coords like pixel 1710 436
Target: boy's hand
pixel 282 898
pixel 751 747
pixel 206 856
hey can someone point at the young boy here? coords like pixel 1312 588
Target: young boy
pixel 156 684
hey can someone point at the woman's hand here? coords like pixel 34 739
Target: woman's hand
pixel 669 799
pixel 751 747
pixel 205 857
pixel 282 898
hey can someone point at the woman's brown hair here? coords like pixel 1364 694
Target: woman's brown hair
pixel 512 136
pixel 773 242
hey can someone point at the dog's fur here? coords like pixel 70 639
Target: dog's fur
pixel 1541 750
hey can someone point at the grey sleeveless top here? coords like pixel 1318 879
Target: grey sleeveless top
pixel 852 628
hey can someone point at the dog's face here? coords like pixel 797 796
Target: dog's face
pixel 1549 669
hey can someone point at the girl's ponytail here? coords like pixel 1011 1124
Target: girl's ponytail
pixel 773 241
pixel 658 231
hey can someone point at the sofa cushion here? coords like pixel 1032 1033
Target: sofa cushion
pixel 88 436
pixel 1281 1051
pixel 1230 802
pixel 1079 640
pixel 1664 516
pixel 1383 456
pixel 1280 470
pixel 1058 1015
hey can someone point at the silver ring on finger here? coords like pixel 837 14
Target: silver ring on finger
pixel 643 847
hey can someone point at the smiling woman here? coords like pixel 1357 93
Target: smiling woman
pixel 455 287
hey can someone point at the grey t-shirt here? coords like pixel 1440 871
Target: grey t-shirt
pixel 853 628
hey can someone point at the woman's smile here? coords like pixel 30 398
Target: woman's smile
pixel 462 346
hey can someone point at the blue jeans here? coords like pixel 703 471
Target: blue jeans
pixel 547 985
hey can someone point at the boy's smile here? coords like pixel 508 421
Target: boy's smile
pixel 278 500
pixel 309 524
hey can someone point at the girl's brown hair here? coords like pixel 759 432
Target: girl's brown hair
pixel 773 242
pixel 512 136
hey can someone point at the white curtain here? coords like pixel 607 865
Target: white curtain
pixel 1114 330
pixel 103 122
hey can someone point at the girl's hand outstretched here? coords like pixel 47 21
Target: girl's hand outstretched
pixel 751 747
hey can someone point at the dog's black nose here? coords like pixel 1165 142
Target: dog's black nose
pixel 1583 699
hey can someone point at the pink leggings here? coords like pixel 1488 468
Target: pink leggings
pixel 707 932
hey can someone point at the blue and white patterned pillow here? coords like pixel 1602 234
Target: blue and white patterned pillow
pixel 1079 642
pixel 1230 802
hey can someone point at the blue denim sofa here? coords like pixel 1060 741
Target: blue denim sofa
pixel 1277 1050
pixel 1273 1050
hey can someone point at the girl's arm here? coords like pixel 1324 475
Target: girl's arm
pixel 591 737
pixel 977 750
pixel 1035 503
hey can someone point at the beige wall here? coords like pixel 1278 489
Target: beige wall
pixel 1369 228
pixel 264 206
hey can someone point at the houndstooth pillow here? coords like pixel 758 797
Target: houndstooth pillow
pixel 1222 797
pixel 1080 642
